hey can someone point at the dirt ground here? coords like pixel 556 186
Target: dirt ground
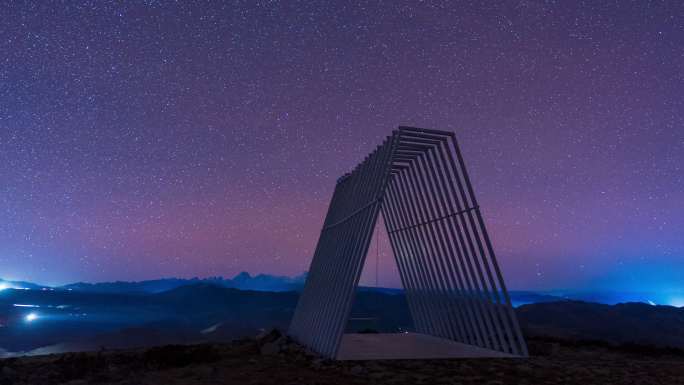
pixel 285 363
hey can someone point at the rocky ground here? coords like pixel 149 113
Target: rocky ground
pixel 272 359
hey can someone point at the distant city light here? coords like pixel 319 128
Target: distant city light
pixel 30 317
pixel 5 286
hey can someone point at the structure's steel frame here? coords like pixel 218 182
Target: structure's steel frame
pixel 417 179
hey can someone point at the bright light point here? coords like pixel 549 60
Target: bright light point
pixel 5 286
pixel 651 303
pixel 30 317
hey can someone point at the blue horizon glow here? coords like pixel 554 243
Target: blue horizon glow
pixel 667 297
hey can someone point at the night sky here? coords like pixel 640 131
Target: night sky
pixel 156 139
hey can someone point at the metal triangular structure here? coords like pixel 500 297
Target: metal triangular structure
pixel 417 179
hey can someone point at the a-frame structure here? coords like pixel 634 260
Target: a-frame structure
pixel 417 179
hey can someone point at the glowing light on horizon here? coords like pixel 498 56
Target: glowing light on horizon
pixel 5 286
pixel 30 317
pixel 677 302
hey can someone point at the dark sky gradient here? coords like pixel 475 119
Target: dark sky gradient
pixel 158 139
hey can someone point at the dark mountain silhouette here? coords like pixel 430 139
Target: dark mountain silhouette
pixel 621 323
pixel 519 297
pixel 266 282
pixel 150 286
pixel 4 284
pixel 204 312
pixel 244 280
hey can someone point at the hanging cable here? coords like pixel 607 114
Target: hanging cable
pixel 377 254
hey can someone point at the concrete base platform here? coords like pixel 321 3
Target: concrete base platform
pixel 408 346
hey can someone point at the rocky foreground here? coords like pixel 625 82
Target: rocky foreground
pixel 273 359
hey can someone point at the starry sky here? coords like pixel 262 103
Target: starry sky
pixel 149 139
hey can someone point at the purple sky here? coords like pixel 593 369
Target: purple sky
pixel 151 139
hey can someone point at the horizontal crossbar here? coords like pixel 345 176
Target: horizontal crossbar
pixel 434 220
pixel 350 216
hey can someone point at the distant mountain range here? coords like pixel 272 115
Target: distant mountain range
pixel 43 321
pixel 243 281
pixel 275 283
pixel 18 285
